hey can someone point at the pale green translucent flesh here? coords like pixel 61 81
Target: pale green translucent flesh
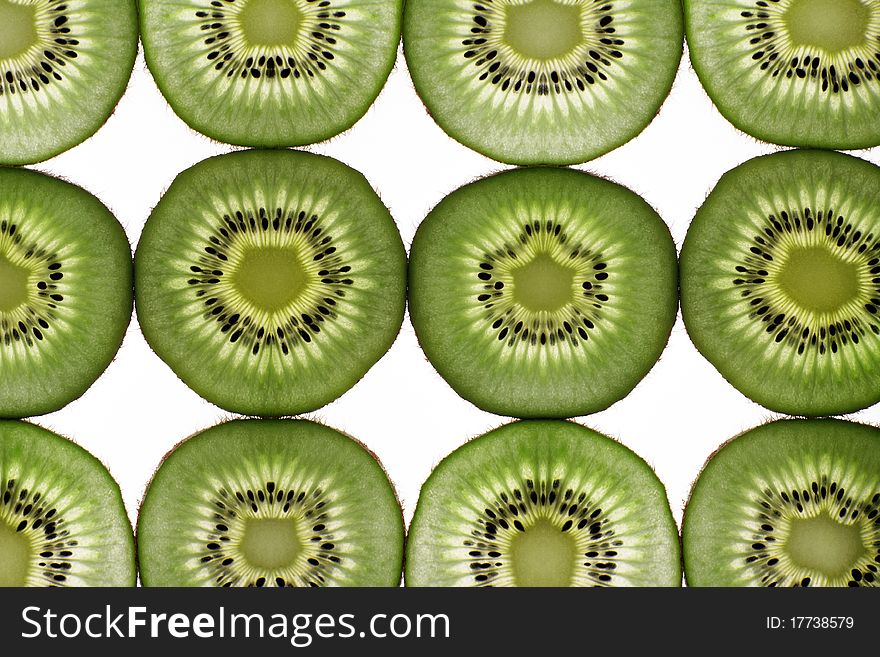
pixel 13 284
pixel 833 25
pixel 543 555
pixel 271 22
pixel 822 544
pixel 18 28
pixel 542 284
pixel 270 277
pixel 271 543
pixel 543 29
pixel 15 556
pixel 817 280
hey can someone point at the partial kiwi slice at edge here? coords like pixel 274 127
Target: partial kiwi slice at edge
pixel 543 292
pixel 793 72
pixel 543 503
pixel 543 81
pixel 65 291
pixel 270 73
pixel 780 281
pixel 62 519
pixel 64 64
pixel 275 503
pixel 270 281
pixel 790 503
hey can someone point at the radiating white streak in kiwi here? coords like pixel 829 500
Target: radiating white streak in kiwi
pixel 64 548
pixel 741 313
pixel 58 30
pixel 780 493
pixel 602 557
pixel 776 501
pixel 192 311
pixel 318 506
pixel 581 230
pixel 49 260
pixel 804 71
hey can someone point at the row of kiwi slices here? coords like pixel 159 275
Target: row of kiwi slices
pixel 292 503
pixel 272 281
pixel 521 81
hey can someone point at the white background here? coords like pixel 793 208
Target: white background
pixel 138 410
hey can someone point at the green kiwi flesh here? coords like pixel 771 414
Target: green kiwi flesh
pixel 64 64
pixel 780 281
pixel 270 281
pixel 794 72
pixel 543 503
pixel 62 520
pixel 543 292
pixel 270 73
pixel 790 503
pixel 65 291
pixel 270 503
pixel 543 81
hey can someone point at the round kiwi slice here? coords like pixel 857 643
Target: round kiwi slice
pixel 62 520
pixel 543 81
pixel 270 503
pixel 270 73
pixel 64 64
pixel 790 503
pixel 780 281
pixel 793 72
pixel 543 292
pixel 65 291
pixel 543 503
pixel 270 281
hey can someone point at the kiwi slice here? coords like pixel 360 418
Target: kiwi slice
pixel 543 503
pixel 780 281
pixel 64 64
pixel 270 503
pixel 543 81
pixel 65 291
pixel 62 520
pixel 270 73
pixel 794 72
pixel 543 292
pixel 270 281
pixel 790 503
